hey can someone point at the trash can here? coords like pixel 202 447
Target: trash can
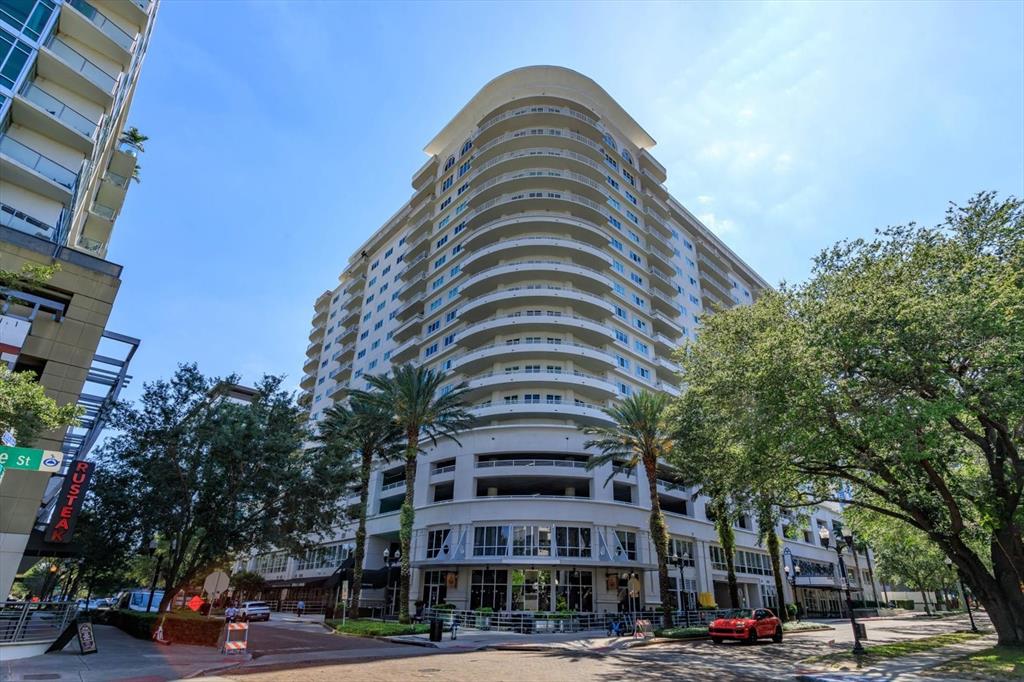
pixel 436 628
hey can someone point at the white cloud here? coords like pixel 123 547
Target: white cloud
pixel 705 199
pixel 719 226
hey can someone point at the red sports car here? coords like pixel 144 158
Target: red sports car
pixel 747 625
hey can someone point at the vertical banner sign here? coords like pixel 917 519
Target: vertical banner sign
pixel 72 494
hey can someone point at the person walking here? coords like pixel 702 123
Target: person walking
pixel 230 613
pixel 300 607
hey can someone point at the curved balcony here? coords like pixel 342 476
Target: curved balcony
pixel 409 328
pixel 307 382
pixel 585 413
pixel 666 324
pixel 310 365
pixel 539 199
pixel 582 328
pixel 590 357
pixel 582 253
pixel 481 385
pixel 549 157
pixel 406 351
pixel 528 137
pixel 540 294
pixel 582 278
pixel 546 224
pixel 535 115
pixel 663 302
pixel 563 180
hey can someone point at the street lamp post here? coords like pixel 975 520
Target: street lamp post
pixel 680 562
pixel 390 559
pixel 791 576
pixel 824 535
pixel 963 595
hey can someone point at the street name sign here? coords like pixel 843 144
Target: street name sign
pixel 30 459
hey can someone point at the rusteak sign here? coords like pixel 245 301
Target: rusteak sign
pixel 72 494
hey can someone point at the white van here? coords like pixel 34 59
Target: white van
pixel 136 600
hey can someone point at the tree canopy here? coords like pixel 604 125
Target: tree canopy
pixel 896 373
pixel 212 477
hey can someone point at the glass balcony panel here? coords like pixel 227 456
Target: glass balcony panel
pixel 109 28
pixel 39 163
pixel 15 219
pixel 60 111
pixel 82 65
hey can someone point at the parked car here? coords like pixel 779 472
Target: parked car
pixel 254 610
pixel 747 625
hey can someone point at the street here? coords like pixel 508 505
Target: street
pixel 283 635
pixel 663 661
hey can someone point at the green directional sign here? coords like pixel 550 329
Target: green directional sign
pixel 30 459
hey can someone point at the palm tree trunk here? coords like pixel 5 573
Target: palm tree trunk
pixel 365 466
pixel 408 515
pixel 728 540
pixel 659 536
pixel 772 540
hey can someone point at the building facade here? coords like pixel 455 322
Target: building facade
pixel 540 260
pixel 68 72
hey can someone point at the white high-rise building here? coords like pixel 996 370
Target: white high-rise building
pixel 541 260
pixel 68 72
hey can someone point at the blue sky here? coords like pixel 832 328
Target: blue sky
pixel 282 135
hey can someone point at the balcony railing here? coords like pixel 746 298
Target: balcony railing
pixel 91 245
pixel 104 212
pixel 442 470
pixel 567 344
pixel 105 25
pixel 76 61
pixel 526 111
pixel 60 111
pixel 116 179
pixel 569 464
pixel 18 220
pixel 392 486
pixel 45 166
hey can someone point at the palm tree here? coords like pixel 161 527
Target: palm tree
pixel 134 139
pixel 421 410
pixel 364 428
pixel 640 437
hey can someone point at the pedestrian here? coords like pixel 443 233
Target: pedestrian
pixel 230 613
pixel 300 607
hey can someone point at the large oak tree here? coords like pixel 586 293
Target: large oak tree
pixel 896 373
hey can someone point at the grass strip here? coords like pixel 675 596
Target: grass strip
pixel 994 663
pixel 682 633
pixel 881 652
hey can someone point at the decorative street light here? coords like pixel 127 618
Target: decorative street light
pixel 963 594
pixel 390 559
pixel 791 576
pixel 680 562
pixel 847 543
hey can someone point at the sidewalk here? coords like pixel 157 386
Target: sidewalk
pixel 120 658
pixel 904 668
pixel 475 640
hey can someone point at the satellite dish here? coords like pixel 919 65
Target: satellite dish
pixel 216 583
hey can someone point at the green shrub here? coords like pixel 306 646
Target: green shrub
pixel 791 610
pixel 484 611
pixel 180 627
pixel 376 628
pixel 444 607
pixel 683 633
pixel 905 604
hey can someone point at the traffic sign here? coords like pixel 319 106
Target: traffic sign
pixel 30 459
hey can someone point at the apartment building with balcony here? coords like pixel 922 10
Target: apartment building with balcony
pixel 68 72
pixel 540 260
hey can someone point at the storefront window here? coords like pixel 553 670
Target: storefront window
pixel 435 587
pixel 688 596
pixel 531 590
pixel 574 591
pixel 489 588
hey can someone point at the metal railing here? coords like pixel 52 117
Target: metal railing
pixel 542 341
pixel 41 164
pixel 564 621
pixel 545 109
pixel 91 245
pixel 34 621
pixel 571 464
pixel 23 222
pixel 82 65
pixel 60 110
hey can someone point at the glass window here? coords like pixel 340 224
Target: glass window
pixel 489 589
pixel 531 541
pixel 490 541
pixel 436 539
pixel 27 15
pixel 574 591
pixel 13 55
pixel 572 541
pixel 435 587
pixel 627 543
pixel 531 590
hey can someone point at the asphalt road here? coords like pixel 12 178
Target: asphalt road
pixel 279 636
pixel 671 661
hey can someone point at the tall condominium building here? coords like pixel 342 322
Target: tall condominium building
pixel 68 71
pixel 540 260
